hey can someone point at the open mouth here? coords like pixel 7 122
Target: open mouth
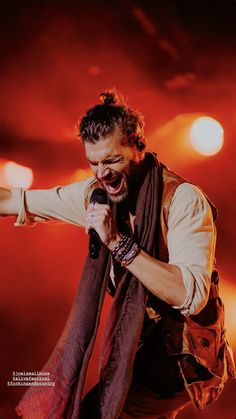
pixel 115 186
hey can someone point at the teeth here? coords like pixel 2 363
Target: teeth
pixel 112 187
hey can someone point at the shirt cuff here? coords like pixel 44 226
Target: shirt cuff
pixel 23 217
pixel 189 283
pixel 18 194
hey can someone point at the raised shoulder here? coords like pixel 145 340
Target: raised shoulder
pixel 188 201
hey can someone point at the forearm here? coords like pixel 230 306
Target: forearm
pixel 8 205
pixel 162 279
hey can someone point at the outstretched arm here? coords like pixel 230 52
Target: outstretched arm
pixel 62 203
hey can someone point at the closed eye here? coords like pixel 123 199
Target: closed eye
pixel 107 161
pixel 113 161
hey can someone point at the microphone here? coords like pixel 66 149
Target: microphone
pixel 98 195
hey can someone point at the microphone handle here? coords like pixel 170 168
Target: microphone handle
pixel 94 244
pixel 100 196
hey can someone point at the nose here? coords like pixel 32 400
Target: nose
pixel 102 171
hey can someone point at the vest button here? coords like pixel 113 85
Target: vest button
pixel 205 342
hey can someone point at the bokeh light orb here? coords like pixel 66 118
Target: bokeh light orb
pixel 17 176
pixel 207 136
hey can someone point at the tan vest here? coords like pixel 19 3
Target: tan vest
pixel 201 335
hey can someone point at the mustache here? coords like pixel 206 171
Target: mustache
pixel 111 177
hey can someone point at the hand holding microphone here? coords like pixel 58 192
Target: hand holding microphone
pixel 100 196
pixel 100 224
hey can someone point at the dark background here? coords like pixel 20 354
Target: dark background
pixel 171 60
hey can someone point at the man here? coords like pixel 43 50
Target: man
pixel 164 342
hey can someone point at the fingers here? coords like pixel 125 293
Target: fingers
pixel 96 210
pixel 93 220
pixel 96 207
pixel 97 215
pixel 88 223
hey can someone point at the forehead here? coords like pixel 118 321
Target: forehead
pixel 104 148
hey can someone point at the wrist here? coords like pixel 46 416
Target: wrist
pixel 114 241
pixel 125 251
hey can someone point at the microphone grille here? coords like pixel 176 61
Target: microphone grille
pixel 99 195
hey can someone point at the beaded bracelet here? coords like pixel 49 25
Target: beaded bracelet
pixel 127 259
pixel 125 251
pixel 119 245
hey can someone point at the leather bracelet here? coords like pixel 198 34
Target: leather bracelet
pixel 119 245
pixel 125 251
pixel 127 259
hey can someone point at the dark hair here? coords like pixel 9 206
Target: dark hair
pixel 102 120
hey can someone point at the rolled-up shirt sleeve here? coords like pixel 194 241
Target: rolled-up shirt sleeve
pixel 191 243
pixel 62 203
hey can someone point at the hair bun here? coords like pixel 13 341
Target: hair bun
pixel 108 98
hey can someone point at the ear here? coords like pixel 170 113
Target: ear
pixel 141 145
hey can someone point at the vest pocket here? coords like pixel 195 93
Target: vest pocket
pixel 205 344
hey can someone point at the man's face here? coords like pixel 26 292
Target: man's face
pixel 114 165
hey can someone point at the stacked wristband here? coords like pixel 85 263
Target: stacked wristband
pixel 125 251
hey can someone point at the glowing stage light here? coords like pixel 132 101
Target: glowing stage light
pixel 80 174
pixel 17 175
pixel 207 136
